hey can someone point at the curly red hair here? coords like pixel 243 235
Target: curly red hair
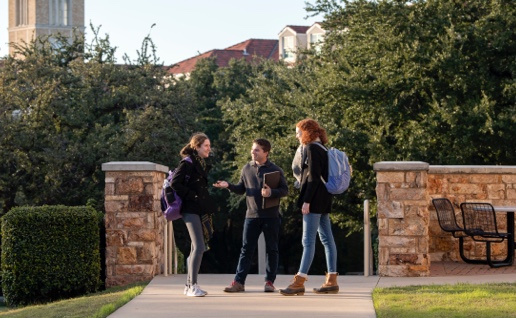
pixel 310 131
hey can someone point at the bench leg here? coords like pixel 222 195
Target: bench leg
pixel 508 261
pixel 468 260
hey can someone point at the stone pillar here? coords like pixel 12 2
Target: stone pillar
pixel 134 222
pixel 403 218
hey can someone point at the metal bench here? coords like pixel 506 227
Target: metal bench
pixel 480 224
pixel 448 223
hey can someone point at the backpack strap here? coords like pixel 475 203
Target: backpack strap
pixel 325 149
pixel 187 159
pixel 320 145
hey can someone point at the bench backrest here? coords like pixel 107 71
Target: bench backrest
pixel 446 215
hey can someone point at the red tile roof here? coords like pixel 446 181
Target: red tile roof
pixel 249 49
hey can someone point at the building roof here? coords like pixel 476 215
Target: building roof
pixel 296 28
pixel 248 50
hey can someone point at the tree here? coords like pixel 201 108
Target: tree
pixel 65 113
pixel 425 80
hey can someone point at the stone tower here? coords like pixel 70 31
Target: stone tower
pixel 29 19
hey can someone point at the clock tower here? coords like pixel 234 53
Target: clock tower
pixel 29 19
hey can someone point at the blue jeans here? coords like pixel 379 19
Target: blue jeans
pixel 313 223
pixel 252 230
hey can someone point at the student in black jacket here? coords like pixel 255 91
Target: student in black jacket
pixel 191 184
pixel 315 204
pixel 258 220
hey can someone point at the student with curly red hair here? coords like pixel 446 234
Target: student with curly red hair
pixel 310 164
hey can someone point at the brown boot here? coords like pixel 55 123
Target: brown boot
pixel 296 288
pixel 330 286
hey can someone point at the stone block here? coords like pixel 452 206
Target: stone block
pixel 116 206
pixel 393 270
pixel 129 185
pixel 109 190
pixel 382 192
pixel 485 178
pixel 126 255
pixel 407 194
pixel 511 178
pixel 109 180
pixel 407 227
pixel 397 241
pixel 110 220
pixel 116 237
pixel 511 194
pixel 383 227
pixel 383 255
pixel 390 177
pixel 390 209
pixel 143 236
pixel 147 253
pixel 133 223
pixel 402 250
pixel 467 188
pixel 417 179
pixel 141 203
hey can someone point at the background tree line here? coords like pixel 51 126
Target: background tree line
pixel 394 80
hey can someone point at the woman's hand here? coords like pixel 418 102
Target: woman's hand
pixel 221 184
pixel 305 209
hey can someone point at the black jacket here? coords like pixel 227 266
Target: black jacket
pixel 191 184
pixel 313 190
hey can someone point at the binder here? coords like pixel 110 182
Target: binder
pixel 272 179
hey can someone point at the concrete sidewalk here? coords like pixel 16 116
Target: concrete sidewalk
pixel 163 297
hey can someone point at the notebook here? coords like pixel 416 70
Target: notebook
pixel 272 179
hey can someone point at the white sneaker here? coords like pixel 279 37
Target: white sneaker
pixel 199 287
pixel 195 291
pixel 186 289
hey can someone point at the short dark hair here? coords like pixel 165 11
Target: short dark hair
pixel 264 143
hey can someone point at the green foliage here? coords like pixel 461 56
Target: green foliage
pixel 63 114
pixel 430 81
pixel 49 253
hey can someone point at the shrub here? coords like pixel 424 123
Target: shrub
pixel 49 253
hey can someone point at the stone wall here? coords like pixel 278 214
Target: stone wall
pixel 409 233
pixel 493 184
pixel 402 218
pixel 134 222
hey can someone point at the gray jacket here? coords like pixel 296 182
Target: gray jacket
pixel 251 183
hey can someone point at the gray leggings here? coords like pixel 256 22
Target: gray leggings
pixel 194 226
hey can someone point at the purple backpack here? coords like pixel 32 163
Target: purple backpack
pixel 170 201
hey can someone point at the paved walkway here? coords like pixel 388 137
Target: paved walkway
pixel 163 297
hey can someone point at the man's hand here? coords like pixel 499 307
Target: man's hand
pixel 266 191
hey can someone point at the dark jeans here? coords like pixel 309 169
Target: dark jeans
pixel 252 230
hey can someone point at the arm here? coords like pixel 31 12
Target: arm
pixel 315 160
pixel 238 188
pixel 183 172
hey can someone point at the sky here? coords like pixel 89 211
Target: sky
pixel 184 28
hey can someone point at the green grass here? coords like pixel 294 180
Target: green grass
pixel 460 300
pixel 98 305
